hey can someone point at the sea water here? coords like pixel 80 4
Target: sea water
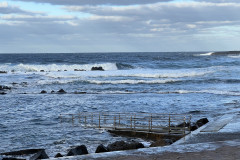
pixel 200 84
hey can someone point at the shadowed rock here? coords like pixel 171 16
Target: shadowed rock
pixel 43 92
pixel 22 152
pixel 61 91
pixel 58 155
pixel 2 72
pixel 39 155
pixel 201 122
pixel 97 69
pixel 121 145
pixel 101 148
pixel 79 150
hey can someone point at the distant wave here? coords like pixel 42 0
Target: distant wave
pixel 133 81
pixel 56 67
pixel 206 54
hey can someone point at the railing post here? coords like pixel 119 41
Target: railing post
pixel 169 124
pixel 114 122
pixel 131 122
pixel 184 125
pixel 119 119
pixel 134 121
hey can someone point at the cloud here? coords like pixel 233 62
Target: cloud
pixel 96 2
pixel 7 9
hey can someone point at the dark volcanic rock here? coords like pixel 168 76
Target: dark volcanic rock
pixel 201 122
pixel 2 93
pixel 79 92
pixel 42 71
pixel 39 155
pixel 5 88
pixel 97 69
pixel 1 72
pixel 62 91
pixel 79 150
pixel 121 145
pixel 101 148
pixel 58 155
pixel 22 152
pixel 43 92
pixel 79 70
pixel 52 91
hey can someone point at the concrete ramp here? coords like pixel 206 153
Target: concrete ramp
pixel 218 124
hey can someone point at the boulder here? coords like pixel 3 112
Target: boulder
pixel 5 88
pixel 97 69
pixel 79 150
pixel 79 70
pixel 58 155
pixel 22 152
pixel 2 93
pixel 121 145
pixel 79 92
pixel 201 122
pixel 101 148
pixel 39 155
pixel 52 91
pixel 62 91
pixel 43 92
pixel 42 71
pixel 1 72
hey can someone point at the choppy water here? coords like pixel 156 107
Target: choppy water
pixel 200 84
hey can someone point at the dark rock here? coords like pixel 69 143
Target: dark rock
pixel 39 155
pixel 193 127
pixel 79 150
pixel 58 155
pixel 62 91
pixel 42 71
pixel 79 92
pixel 121 145
pixel 22 152
pixel 14 83
pixel 65 70
pixel 5 88
pixel 2 93
pixel 3 72
pixel 52 91
pixel 43 92
pixel 79 70
pixel 201 122
pixel 12 70
pixel 97 69
pixel 101 148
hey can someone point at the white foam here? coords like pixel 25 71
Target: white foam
pixel 205 54
pixel 56 67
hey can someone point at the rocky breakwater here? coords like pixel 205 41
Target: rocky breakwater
pixel 34 154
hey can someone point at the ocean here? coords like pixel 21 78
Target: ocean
pixel 196 83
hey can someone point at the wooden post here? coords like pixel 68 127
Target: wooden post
pixel 184 123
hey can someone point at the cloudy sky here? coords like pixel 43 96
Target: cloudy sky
pixel 43 26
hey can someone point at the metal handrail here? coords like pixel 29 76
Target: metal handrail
pixel 150 122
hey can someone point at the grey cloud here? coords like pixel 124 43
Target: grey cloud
pixel 96 2
pixel 6 9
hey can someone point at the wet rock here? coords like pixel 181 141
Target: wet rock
pixel 65 70
pixel 79 92
pixel 5 88
pixel 201 122
pixel 121 145
pixel 58 155
pixel 39 155
pixel 101 148
pixel 79 150
pixel 193 127
pixel 97 69
pixel 52 91
pixel 14 83
pixel 42 71
pixel 62 91
pixel 43 92
pixel 22 152
pixel 2 72
pixel 2 93
pixel 79 70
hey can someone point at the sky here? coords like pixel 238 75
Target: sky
pixel 76 26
